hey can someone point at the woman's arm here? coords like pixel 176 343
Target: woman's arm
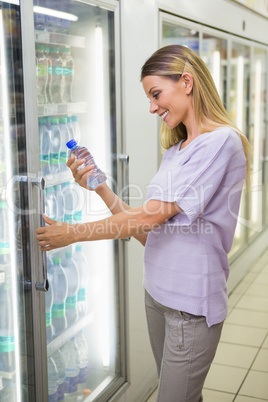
pixel 132 222
pixel 112 201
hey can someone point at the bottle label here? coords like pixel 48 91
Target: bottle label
pixel 54 158
pixel 70 385
pixel 63 157
pixel 44 160
pixel 71 302
pixel 82 378
pixel 58 310
pixel 48 318
pixel 68 71
pixel 7 344
pixel 41 71
pixel 61 392
pixel 4 248
pixel 53 397
pixel 82 294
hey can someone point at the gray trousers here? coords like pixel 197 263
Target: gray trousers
pixel 183 347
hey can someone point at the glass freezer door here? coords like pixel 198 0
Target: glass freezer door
pixel 75 56
pixel 16 357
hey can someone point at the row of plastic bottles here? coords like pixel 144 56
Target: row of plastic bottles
pixel 64 202
pixel 54 74
pixel 66 301
pixel 54 133
pixel 68 370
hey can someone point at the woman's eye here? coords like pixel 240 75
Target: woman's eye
pixel 156 95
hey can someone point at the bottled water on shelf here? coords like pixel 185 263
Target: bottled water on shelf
pixel 41 74
pixel 60 288
pixel 51 208
pixel 7 340
pixel 71 358
pixel 53 380
pixel 55 146
pixel 82 345
pixel 55 75
pixel 60 202
pixel 98 176
pixel 79 201
pixel 44 147
pixel 83 267
pixel 76 129
pixel 70 127
pixel 68 201
pixel 67 74
pixel 60 366
pixel 72 274
pixel 65 137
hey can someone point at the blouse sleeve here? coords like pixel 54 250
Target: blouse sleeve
pixel 193 179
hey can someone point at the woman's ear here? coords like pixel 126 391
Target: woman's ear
pixel 188 82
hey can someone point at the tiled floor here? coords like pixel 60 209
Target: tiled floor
pixel 240 369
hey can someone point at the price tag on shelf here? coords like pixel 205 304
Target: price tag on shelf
pixel 41 36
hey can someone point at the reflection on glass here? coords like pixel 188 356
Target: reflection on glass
pixel 257 136
pixel 173 34
pixel 84 34
pixel 214 54
pixel 239 112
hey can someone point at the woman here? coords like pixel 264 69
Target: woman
pixel 187 223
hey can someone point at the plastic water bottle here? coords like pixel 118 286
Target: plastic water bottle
pixel 76 129
pixel 7 341
pixel 7 390
pixel 72 274
pixel 60 289
pixel 98 176
pixel 71 358
pixel 60 365
pixel 60 202
pixel 79 202
pixel 68 201
pixel 49 303
pixel 52 380
pixel 55 75
pixel 44 147
pixel 41 74
pixel 83 268
pixel 65 137
pixel 67 74
pixel 55 146
pixel 70 127
pixel 51 208
pixel 82 345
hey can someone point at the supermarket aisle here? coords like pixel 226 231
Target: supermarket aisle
pixel 240 369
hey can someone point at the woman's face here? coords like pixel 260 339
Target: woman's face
pixel 169 99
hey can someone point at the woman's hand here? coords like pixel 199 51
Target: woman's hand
pixel 55 235
pixel 80 175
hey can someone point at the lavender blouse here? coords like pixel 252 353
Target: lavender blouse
pixel 185 261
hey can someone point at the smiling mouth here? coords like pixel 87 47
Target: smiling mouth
pixel 164 115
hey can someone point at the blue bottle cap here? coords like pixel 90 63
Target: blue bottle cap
pixel 71 144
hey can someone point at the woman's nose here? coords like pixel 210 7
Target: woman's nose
pixel 153 107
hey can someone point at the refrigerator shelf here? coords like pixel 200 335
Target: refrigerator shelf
pixel 55 38
pixel 52 109
pixel 69 333
pixel 58 178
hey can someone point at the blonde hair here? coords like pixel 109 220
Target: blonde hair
pixel 171 62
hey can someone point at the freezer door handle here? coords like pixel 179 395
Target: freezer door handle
pixel 125 159
pixel 40 183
